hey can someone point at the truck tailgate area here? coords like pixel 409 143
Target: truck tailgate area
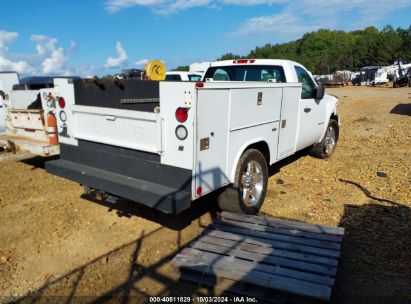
pixel 135 175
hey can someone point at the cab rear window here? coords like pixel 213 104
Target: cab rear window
pixel 247 73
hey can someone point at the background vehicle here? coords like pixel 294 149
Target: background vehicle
pixel 165 144
pixel 2 117
pixel 7 80
pixel 30 117
pixel 183 76
pixel 371 75
pixel 402 77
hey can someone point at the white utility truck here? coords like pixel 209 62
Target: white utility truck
pixel 7 80
pixel 165 144
pixel 29 106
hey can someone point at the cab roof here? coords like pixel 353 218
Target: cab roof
pixel 281 62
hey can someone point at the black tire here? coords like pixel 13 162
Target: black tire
pixel 326 148
pixel 231 199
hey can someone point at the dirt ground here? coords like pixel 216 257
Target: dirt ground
pixel 57 245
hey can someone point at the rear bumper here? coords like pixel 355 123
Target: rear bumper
pixel 33 146
pixel 127 173
pixel 163 198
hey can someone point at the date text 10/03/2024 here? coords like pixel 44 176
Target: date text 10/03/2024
pixel 233 299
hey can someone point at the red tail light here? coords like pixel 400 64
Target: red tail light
pixel 181 114
pixel 199 190
pixel 200 85
pixel 62 102
pixel 242 61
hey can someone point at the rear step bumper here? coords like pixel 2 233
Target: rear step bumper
pixel 157 196
pixel 33 146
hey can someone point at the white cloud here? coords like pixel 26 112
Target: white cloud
pixel 281 24
pixel 7 37
pixel 348 14
pixel 253 2
pixel 299 17
pixel 120 60
pixel 158 6
pixel 18 66
pixel 169 6
pixel 141 62
pixel 53 58
pixel 8 64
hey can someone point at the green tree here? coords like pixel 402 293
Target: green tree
pixel 184 68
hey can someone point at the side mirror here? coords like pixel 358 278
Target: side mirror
pixel 320 90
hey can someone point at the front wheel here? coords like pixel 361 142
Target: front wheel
pixel 326 147
pixel 250 186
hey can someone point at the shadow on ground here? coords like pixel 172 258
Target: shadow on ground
pixel 127 208
pixel 128 273
pixel 402 109
pixel 37 162
pixel 376 256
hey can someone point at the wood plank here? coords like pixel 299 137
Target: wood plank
pixel 272 243
pixel 268 250
pixel 228 285
pixel 270 260
pixel 226 270
pixel 210 257
pixel 284 231
pixel 278 237
pixel 274 222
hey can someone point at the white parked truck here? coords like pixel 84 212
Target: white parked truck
pixel 7 80
pixel 28 104
pixel 165 144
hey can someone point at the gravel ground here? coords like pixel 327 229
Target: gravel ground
pixel 57 245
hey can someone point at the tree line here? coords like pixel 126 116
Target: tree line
pixel 326 51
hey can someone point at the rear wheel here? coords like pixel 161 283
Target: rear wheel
pixel 326 147
pixel 250 187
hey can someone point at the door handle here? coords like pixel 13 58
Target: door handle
pixel 307 110
pixel 110 118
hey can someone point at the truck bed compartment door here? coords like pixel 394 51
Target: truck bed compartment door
pixel 117 127
pixel 288 122
pixel 212 139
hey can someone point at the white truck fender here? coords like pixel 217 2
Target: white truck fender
pixel 241 151
pixel 330 110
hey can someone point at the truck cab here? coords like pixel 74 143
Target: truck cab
pixel 165 144
pixel 311 112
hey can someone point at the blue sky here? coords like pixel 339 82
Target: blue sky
pixel 92 37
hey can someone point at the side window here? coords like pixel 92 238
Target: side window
pixel 173 77
pixel 308 86
pixel 276 74
pixel 193 77
pixel 221 74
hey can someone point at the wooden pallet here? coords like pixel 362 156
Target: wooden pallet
pixel 258 256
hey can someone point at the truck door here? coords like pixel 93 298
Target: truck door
pixel 288 122
pixel 312 111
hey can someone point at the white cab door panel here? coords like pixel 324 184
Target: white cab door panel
pixel 312 111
